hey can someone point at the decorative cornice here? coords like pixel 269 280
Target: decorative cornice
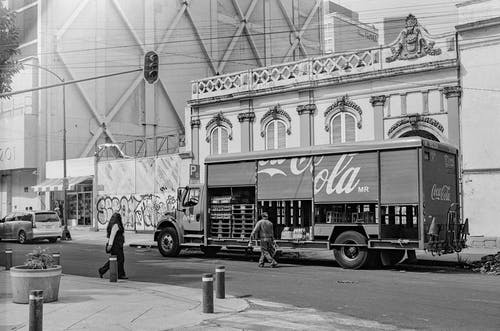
pixel 219 120
pixel 275 113
pixel 306 109
pixel 414 121
pixel 378 100
pixel 195 123
pixel 452 91
pixel 343 104
pixel 248 116
pixel 411 42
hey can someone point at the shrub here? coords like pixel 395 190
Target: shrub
pixel 39 259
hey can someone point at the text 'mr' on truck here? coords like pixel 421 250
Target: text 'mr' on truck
pixel 368 201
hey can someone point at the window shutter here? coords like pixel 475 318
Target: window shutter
pixel 224 140
pixel 281 134
pixel 215 141
pixel 270 135
pixel 337 129
pixel 350 128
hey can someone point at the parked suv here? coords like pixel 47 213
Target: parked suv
pixel 29 225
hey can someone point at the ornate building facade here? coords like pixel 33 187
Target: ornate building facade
pixel 409 88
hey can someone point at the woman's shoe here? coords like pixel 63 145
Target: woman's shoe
pixel 100 273
pixel 123 277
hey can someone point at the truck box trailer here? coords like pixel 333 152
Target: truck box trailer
pixel 369 202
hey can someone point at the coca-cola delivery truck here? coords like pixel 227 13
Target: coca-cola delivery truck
pixel 369 202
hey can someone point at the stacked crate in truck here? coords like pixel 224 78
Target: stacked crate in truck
pixel 220 217
pixel 243 215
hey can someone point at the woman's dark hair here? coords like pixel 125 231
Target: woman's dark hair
pixel 116 218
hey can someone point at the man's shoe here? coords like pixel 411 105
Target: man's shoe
pixel 123 277
pixel 100 273
pixel 274 265
pixel 261 265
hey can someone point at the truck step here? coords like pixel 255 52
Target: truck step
pixel 193 236
pixel 191 245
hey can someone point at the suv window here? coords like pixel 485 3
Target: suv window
pixel 10 217
pixel 25 217
pixel 46 217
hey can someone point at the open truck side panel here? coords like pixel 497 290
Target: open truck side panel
pixel 367 201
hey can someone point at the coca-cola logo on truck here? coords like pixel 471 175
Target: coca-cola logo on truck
pixel 441 193
pixel 341 178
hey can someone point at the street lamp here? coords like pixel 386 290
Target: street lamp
pixel 65 235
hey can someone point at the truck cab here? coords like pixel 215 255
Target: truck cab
pixel 184 228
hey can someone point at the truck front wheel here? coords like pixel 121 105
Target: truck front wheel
pixel 168 242
pixel 351 257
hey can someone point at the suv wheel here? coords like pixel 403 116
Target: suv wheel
pixel 21 237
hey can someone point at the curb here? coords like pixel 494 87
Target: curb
pixel 143 245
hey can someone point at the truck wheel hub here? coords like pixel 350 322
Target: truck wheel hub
pixel 167 241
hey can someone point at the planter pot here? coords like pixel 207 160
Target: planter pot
pixel 24 280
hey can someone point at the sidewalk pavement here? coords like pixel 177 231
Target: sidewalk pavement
pixel 96 304
pixel 139 240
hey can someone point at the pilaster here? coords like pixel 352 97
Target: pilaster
pixel 195 138
pixel 452 94
pixel 378 103
pixel 246 120
pixel 306 114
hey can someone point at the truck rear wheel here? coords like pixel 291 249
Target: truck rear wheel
pixel 351 257
pixel 168 242
pixel 390 257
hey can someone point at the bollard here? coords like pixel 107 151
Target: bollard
pixel 8 259
pixel 113 269
pixel 57 258
pixel 208 293
pixel 220 278
pixel 36 311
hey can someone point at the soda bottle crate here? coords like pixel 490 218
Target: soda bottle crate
pixel 243 207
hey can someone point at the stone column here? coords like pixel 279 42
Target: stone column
pixel 452 94
pixel 195 139
pixel 378 103
pixel 246 120
pixel 306 114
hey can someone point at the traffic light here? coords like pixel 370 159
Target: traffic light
pixel 151 67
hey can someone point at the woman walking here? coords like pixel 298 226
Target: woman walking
pixel 115 233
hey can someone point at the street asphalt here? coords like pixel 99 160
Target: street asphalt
pixel 434 296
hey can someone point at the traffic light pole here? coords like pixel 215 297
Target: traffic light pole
pixel 2 95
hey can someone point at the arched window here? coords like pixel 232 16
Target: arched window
pixel 343 128
pixel 275 134
pixel 219 139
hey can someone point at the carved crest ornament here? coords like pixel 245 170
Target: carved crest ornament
pixel 412 42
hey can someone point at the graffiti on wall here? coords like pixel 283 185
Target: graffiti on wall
pixel 138 211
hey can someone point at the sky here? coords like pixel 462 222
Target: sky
pixel 437 16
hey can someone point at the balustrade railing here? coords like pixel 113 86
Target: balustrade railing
pixel 311 69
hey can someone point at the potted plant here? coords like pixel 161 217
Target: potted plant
pixel 37 273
